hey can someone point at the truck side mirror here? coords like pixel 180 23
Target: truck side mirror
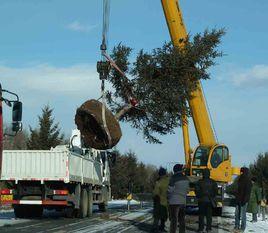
pixel 16 116
pixel 17 111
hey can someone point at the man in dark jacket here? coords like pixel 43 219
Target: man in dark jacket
pixel 242 195
pixel 160 201
pixel 206 191
pixel 177 190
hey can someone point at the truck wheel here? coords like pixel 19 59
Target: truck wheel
pixel 83 210
pixel 69 212
pixel 103 207
pixel 32 211
pixel 90 203
pixel 19 211
pixel 105 198
pixel 37 211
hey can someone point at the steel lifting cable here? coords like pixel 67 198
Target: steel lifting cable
pixel 211 119
pixel 132 100
pixel 105 28
pixel 105 64
pixel 105 25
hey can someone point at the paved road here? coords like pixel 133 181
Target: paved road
pixel 116 220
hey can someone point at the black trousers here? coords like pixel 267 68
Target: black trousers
pixel 205 210
pixel 159 214
pixel 177 213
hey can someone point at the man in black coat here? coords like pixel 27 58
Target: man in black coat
pixel 206 191
pixel 242 195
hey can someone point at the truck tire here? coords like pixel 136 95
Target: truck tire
pixel 90 203
pixel 28 211
pixel 69 212
pixel 19 211
pixel 36 211
pixel 103 207
pixel 105 198
pixel 83 210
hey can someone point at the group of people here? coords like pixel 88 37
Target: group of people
pixel 170 195
pixel 249 197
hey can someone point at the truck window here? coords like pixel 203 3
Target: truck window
pixel 201 157
pixel 217 157
pixel 225 153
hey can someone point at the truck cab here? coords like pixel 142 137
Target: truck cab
pixel 216 158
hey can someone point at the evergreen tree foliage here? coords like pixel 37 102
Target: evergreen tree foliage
pixel 259 169
pixel 127 173
pixel 48 133
pixel 17 142
pixel 162 81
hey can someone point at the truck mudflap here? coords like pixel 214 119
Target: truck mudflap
pixel 33 202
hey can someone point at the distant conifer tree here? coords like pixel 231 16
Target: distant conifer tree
pixel 260 171
pixel 48 133
pixel 17 142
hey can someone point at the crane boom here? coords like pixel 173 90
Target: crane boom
pixel 209 153
pixel 197 104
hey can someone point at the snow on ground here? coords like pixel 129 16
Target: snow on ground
pixel 224 224
pixel 135 215
pixel 120 203
pixel 7 217
pixel 228 221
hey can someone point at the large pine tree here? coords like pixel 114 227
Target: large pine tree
pixel 161 80
pixel 48 133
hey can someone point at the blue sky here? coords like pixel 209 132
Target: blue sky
pixel 49 49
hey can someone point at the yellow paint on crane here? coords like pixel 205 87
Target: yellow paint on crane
pixel 223 171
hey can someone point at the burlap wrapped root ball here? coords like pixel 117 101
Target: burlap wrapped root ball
pixel 89 121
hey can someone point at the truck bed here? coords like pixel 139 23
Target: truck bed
pixel 50 165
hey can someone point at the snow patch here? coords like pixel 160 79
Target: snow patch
pixel 228 221
pixel 118 203
pixel 7 217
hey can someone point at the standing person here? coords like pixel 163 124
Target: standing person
pixel 242 195
pixel 255 199
pixel 160 201
pixel 177 190
pixel 206 191
pixel 263 202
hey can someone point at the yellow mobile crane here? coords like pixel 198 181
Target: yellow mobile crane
pixel 209 153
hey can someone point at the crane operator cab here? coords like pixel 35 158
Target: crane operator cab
pixel 215 158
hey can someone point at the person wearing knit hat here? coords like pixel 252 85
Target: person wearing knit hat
pixel 242 196
pixel 178 168
pixel 177 191
pixel 206 191
pixel 160 212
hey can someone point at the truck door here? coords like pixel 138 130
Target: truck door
pixel 220 164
